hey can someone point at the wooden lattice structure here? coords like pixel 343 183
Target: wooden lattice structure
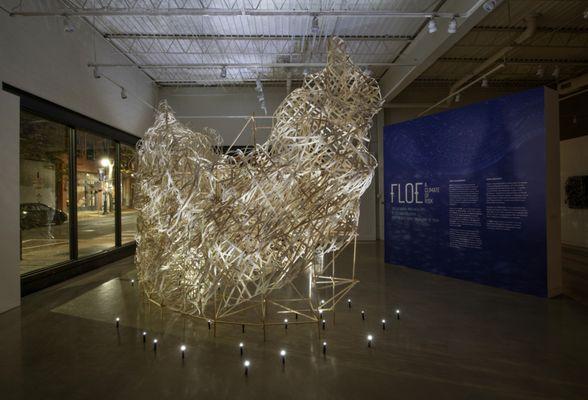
pixel 219 234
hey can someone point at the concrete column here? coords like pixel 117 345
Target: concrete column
pixel 9 201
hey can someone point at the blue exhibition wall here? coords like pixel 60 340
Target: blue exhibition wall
pixel 465 193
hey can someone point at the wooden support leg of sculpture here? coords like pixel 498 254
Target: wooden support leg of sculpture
pixel 333 289
pixel 263 316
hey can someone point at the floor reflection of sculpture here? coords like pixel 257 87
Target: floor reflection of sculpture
pixel 220 233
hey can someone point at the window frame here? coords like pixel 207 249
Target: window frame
pixel 74 121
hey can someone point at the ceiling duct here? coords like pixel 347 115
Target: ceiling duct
pixel 573 85
pixel 499 55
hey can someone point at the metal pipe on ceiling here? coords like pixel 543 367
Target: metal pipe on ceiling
pixel 518 61
pixel 181 36
pixel 499 55
pixel 453 94
pixel 210 12
pixel 236 65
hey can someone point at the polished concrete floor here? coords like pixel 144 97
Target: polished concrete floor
pixel 455 340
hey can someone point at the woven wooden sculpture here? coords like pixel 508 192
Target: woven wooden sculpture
pixel 220 233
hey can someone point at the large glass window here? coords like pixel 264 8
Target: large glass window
pixel 95 200
pixel 101 217
pixel 128 169
pixel 44 228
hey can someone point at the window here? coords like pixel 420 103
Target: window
pixel 44 197
pixel 46 216
pixel 76 184
pixel 95 194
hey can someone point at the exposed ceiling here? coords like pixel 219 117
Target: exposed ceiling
pixel 558 49
pixel 233 42
pixel 192 42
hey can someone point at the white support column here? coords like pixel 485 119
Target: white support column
pixel 9 201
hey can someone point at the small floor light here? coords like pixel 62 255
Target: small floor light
pixel 117 321
pixel 324 348
pixel 246 364
pixel 369 339
pixel 132 282
pixel 286 324
pixel 322 302
pixel 324 324
pixel 241 348
pixel 397 314
pixel 154 344
pixel 183 349
pixel 320 313
pixel 209 324
pixel 144 336
pixel 363 315
pixel 283 355
pixel 383 324
pixel 349 303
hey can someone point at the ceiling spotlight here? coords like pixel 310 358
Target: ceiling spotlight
pixel 555 72
pixel 223 73
pixel 67 25
pixel 123 93
pixel 484 82
pixel 315 25
pixel 432 26
pixel 489 5
pixel 540 71
pixel 457 98
pixel 452 27
pixel 96 73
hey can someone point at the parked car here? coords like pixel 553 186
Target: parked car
pixel 38 214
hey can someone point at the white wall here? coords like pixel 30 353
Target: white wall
pixel 224 102
pixel 37 56
pixel 573 161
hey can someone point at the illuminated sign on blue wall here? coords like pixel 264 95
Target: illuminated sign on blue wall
pixel 465 193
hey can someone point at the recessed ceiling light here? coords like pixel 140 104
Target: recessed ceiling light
pixel 452 27
pixel 489 5
pixel 432 26
pixel 67 25
pixel 315 25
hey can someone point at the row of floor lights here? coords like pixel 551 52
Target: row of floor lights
pixel 247 363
